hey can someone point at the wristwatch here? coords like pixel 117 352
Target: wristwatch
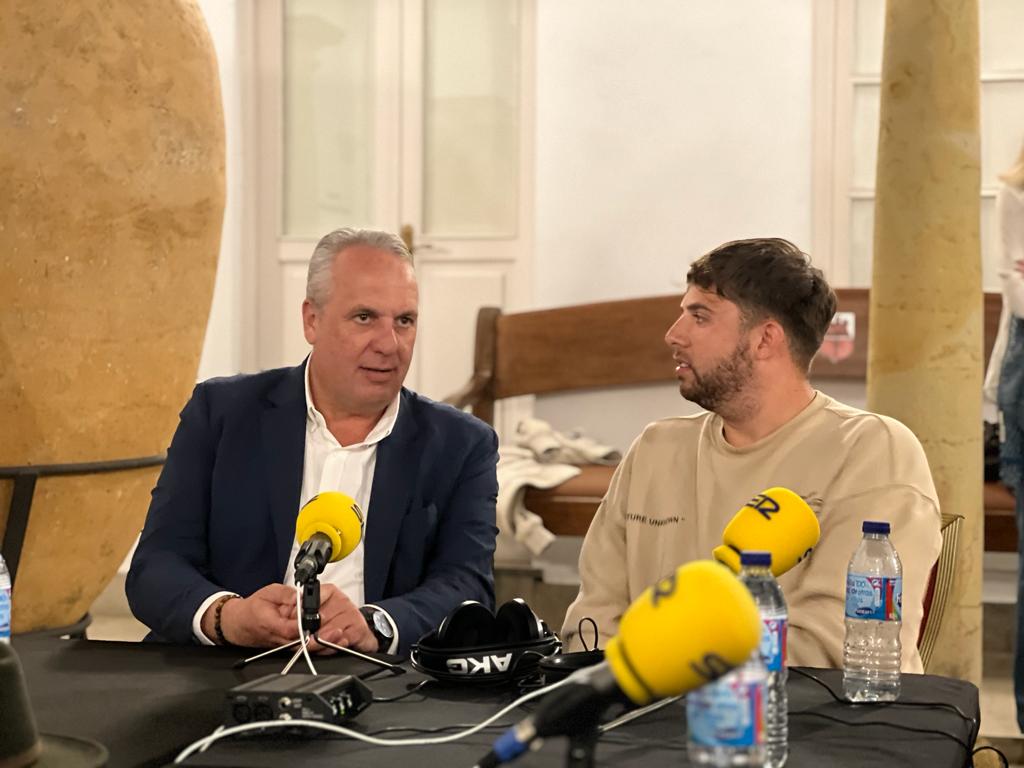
pixel 378 622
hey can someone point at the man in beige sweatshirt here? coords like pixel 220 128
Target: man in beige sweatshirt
pixel 753 316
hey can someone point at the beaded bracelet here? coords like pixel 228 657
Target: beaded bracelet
pixel 217 629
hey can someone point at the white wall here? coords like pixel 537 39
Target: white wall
pixel 222 346
pixel 665 128
pixel 647 115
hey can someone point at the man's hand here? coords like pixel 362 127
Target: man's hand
pixel 258 621
pixel 341 623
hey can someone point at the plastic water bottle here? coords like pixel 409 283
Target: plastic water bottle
pixel 756 574
pixel 5 602
pixel 725 718
pixel 874 611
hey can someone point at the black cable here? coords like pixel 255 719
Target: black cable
pixel 884 724
pixel 438 729
pixel 372 673
pixel 883 704
pixel 1003 758
pixel 399 697
pixel 579 631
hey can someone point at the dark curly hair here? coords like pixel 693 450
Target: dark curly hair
pixel 771 278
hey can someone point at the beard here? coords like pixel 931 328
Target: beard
pixel 716 389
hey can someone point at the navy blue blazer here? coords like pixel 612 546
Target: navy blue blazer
pixel 222 516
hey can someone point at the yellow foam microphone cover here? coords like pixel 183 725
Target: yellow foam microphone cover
pixel 337 516
pixel 777 521
pixel 683 632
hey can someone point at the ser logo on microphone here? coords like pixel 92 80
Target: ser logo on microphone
pixel 482 665
pixel 711 667
pixel 764 505
pixel 665 588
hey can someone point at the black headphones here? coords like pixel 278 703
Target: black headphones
pixel 473 645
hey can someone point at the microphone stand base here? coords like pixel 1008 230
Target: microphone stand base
pixel 303 644
pixel 309 618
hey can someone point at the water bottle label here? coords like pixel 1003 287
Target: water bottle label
pixel 5 612
pixel 874 597
pixel 727 713
pixel 773 644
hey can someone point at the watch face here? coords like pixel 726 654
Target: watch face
pixel 380 621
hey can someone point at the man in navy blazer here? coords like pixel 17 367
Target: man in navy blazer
pixel 213 561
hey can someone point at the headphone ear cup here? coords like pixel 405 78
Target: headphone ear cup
pixel 471 624
pixel 515 622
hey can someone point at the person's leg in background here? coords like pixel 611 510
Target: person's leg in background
pixel 1018 652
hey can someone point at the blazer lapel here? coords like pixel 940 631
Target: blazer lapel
pixel 283 432
pixel 394 478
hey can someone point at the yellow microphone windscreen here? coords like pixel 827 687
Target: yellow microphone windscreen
pixel 683 632
pixel 777 521
pixel 337 516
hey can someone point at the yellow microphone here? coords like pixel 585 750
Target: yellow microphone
pixel 685 631
pixel 776 520
pixel 328 528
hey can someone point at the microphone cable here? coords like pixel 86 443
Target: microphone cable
pixel 221 733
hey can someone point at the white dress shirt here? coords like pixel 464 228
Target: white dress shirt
pixel 329 466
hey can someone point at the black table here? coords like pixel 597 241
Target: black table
pixel 145 702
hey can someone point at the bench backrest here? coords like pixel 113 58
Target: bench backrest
pixel 616 343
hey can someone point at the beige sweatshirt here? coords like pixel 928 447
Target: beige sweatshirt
pixel 681 482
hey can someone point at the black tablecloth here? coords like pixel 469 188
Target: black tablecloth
pixel 146 702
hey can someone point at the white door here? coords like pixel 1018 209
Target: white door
pixel 406 115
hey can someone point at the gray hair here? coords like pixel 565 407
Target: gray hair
pixel 318 279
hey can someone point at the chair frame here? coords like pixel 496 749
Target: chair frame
pixel 940 585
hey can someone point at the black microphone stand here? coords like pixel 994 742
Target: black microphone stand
pixel 582 745
pixel 310 620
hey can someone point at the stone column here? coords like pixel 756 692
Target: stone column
pixel 924 360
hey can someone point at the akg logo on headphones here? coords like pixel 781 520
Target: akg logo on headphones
pixel 765 505
pixel 483 665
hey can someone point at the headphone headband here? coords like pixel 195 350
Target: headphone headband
pixel 474 646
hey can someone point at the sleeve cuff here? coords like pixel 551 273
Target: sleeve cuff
pixel 393 648
pixel 197 619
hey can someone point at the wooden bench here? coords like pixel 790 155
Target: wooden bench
pixel 621 343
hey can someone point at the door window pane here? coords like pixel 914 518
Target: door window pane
pixel 471 118
pixel 328 115
pixel 862 237
pixel 868 32
pixel 865 135
pixel 1002 26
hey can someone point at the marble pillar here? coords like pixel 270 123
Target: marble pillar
pixel 112 160
pixel 925 346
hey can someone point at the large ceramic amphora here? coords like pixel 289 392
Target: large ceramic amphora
pixel 111 203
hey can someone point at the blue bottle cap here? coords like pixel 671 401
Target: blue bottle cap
pixel 873 526
pixel 748 557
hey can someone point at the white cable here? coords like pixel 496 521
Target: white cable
pixel 303 640
pixel 206 741
pixel 635 713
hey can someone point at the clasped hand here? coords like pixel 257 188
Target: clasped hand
pixel 267 618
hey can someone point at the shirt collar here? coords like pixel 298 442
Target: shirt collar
pixel 385 424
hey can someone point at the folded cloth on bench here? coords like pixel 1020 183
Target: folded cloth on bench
pixel 551 446
pixel 518 527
